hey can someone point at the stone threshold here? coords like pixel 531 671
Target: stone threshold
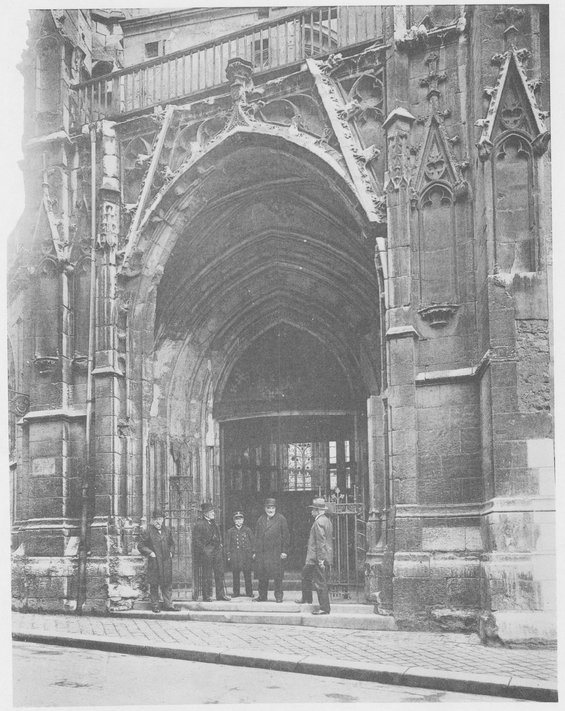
pixel 353 617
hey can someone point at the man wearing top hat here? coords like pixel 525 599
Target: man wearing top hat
pixel 272 541
pixel 208 552
pixel 319 557
pixel 158 546
pixel 239 553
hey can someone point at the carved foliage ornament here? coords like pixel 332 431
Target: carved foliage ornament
pixel 436 161
pixel 512 107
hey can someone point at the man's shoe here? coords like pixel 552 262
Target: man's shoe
pixel 259 599
pixel 320 612
pixel 171 608
pixel 300 601
pixel 156 608
pixel 223 598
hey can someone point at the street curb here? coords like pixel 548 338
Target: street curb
pixel 401 675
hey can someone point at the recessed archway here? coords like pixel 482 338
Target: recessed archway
pixel 270 241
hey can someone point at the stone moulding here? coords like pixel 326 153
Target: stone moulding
pixel 402 332
pixel 53 415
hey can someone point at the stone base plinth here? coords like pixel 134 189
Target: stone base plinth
pixel 511 627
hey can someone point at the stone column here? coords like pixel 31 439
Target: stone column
pixel 109 485
pixel 400 396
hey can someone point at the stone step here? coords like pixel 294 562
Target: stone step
pixel 249 606
pixel 300 617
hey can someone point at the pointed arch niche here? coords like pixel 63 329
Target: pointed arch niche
pixel 515 243
pixel 436 246
pixel 439 209
pixel 514 138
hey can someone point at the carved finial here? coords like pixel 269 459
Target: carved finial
pixel 239 74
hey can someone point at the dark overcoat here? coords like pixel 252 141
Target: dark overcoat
pixel 160 568
pixel 271 539
pixel 206 540
pixel 239 548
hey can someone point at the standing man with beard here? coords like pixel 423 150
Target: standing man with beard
pixel 208 552
pixel 272 542
pixel 158 546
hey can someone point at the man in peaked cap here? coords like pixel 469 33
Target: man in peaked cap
pixel 319 557
pixel 208 552
pixel 239 553
pixel 158 546
pixel 272 541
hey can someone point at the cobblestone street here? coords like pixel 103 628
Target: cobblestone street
pixel 448 652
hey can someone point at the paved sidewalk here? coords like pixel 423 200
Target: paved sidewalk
pixel 434 660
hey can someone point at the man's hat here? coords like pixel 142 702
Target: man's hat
pixel 207 506
pixel 238 514
pixel 270 502
pixel 319 504
pixel 157 513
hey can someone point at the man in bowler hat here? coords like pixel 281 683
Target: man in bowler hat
pixel 239 553
pixel 208 552
pixel 158 546
pixel 318 559
pixel 272 541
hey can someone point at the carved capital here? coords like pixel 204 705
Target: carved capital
pixel 438 315
pixel 45 365
pixel 80 363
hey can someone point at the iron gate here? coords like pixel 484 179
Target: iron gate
pixel 349 546
pixel 182 512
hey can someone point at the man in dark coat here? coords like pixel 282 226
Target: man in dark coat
pixel 239 552
pixel 158 546
pixel 319 557
pixel 208 553
pixel 272 541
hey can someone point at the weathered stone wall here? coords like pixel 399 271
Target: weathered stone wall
pixel 447 334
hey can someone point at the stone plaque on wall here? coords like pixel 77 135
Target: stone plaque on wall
pixel 43 466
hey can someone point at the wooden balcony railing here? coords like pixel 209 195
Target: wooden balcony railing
pixel 290 39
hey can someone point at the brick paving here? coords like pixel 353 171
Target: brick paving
pixel 446 652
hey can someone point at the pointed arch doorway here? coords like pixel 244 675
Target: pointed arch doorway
pixel 289 424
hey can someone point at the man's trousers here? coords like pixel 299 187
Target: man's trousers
pixel 315 576
pixel 248 582
pixel 213 566
pixel 166 591
pixel 277 585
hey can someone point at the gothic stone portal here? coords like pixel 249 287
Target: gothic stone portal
pixel 266 343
